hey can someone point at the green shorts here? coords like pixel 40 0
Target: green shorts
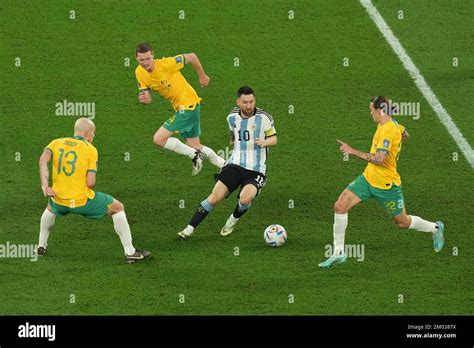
pixel 186 122
pixel 392 199
pixel 95 208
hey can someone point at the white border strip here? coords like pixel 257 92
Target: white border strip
pixel 420 81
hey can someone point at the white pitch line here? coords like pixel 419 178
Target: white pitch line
pixel 420 81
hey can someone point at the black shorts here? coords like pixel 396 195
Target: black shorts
pixel 234 176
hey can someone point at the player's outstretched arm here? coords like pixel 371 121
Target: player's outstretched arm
pixel 194 60
pixel 44 173
pixel 375 158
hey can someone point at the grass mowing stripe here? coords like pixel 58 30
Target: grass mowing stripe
pixel 420 81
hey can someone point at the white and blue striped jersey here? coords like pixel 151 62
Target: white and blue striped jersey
pixel 245 131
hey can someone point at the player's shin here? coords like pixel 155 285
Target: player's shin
pixel 122 228
pixel 213 157
pixel 201 212
pixel 240 209
pixel 339 232
pixel 177 146
pixel 47 222
pixel 421 225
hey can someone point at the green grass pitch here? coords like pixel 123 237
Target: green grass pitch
pixel 298 62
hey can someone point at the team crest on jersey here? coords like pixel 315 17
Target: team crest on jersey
pixel 386 143
pixel 254 127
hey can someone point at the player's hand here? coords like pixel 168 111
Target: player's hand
pixel 48 192
pixel 345 148
pixel 405 135
pixel 144 97
pixel 261 142
pixel 204 81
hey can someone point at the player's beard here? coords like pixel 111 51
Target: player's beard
pixel 249 113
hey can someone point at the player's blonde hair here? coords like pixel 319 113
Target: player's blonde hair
pixel 83 125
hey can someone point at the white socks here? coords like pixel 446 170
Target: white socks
pixel 47 221
pixel 341 221
pixel 339 232
pixel 213 157
pixel 421 225
pixel 177 146
pixel 123 230
pixel 189 230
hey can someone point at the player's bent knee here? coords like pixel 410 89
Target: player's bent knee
pixel 403 224
pixel 213 199
pixel 157 140
pixel 116 207
pixel 246 200
pixel 340 207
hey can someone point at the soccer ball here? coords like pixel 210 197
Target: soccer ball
pixel 275 235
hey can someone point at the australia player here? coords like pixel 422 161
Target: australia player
pixel 252 131
pixel 381 181
pixel 74 168
pixel 164 76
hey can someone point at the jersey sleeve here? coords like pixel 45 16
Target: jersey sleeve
pixel 51 146
pixel 268 126
pixel 385 141
pixel 93 161
pixel 229 123
pixel 142 86
pixel 172 64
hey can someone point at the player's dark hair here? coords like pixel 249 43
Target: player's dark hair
pixel 143 48
pixel 383 102
pixel 244 90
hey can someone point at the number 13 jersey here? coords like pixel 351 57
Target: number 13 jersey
pixel 72 159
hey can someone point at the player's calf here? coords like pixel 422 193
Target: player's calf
pixel 416 223
pixel 122 228
pixel 200 214
pixel 46 223
pixel 246 197
pixel 403 223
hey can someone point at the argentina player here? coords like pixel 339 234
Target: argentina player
pixel 252 131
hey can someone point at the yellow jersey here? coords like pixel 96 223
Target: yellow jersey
pixel 167 80
pixel 388 138
pixel 72 159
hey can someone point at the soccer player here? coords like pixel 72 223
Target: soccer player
pixel 381 181
pixel 251 131
pixel 74 166
pixel 164 76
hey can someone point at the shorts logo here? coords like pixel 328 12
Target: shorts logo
pixel 171 119
pixel 390 205
pixel 386 143
pixel 178 59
